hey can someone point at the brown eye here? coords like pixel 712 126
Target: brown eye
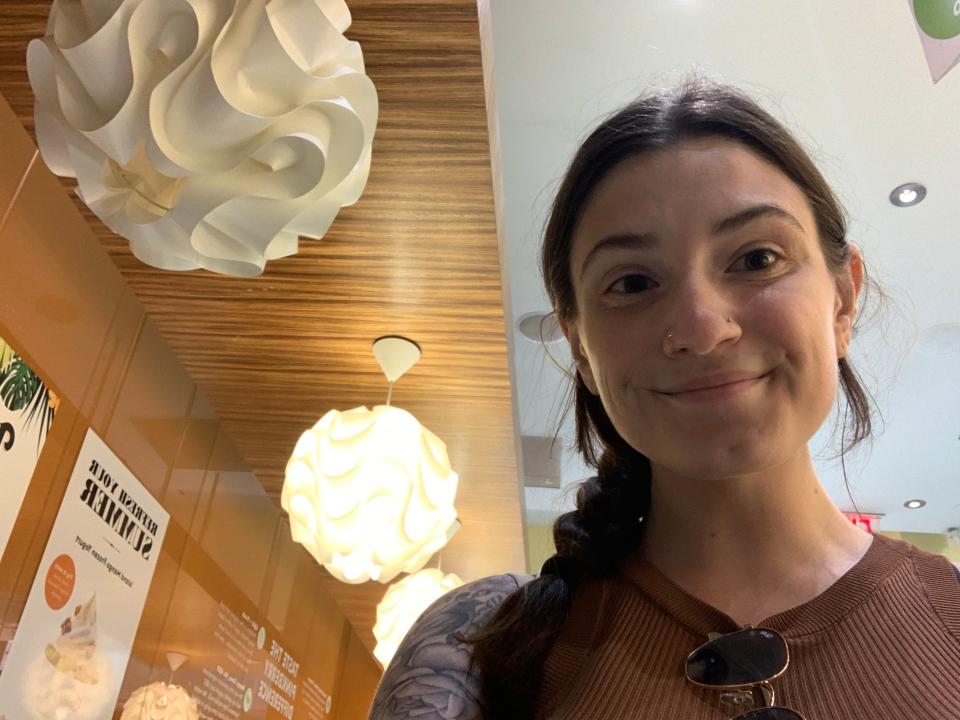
pixel 631 284
pixel 761 259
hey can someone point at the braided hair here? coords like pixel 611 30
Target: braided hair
pixel 606 526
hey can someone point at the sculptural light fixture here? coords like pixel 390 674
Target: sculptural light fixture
pixel 370 492
pixel 210 135
pixel 403 603
pixel 160 700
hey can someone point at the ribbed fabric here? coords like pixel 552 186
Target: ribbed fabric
pixel 883 642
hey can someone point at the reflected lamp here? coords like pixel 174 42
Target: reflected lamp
pixel 160 701
pixel 403 604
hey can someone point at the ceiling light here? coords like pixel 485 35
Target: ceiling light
pixel 216 139
pixel 403 603
pixel 914 504
pixel 370 492
pixel 162 700
pixel 908 194
pixel 540 327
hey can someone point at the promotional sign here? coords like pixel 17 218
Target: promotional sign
pixel 72 645
pixel 27 407
pixel 240 665
pixel 938 22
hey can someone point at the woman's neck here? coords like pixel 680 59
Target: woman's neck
pixel 751 546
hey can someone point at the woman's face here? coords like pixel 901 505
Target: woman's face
pixel 678 241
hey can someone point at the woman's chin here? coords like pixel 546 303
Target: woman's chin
pixel 720 462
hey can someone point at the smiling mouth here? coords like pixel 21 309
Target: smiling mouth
pixel 718 392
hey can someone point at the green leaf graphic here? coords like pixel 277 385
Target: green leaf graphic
pixel 18 385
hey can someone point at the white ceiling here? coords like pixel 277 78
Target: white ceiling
pixel 850 79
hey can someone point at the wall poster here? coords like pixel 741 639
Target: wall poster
pixel 27 407
pixel 72 645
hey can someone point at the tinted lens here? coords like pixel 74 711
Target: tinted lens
pixel 773 713
pixel 740 658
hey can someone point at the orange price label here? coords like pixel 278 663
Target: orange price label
pixel 61 579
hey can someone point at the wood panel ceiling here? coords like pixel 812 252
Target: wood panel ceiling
pixel 417 256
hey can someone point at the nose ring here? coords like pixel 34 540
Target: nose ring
pixel 669 338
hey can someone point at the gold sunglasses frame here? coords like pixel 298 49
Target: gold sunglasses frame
pixel 763 693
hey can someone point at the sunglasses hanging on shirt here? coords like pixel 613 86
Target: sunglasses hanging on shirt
pixel 745 659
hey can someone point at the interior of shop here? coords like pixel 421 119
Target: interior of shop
pixel 332 278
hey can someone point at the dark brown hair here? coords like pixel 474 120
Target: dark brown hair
pixel 591 541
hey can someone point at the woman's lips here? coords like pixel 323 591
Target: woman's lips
pixel 718 392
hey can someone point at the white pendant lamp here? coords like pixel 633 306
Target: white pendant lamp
pixel 209 133
pixel 160 700
pixel 370 493
pixel 403 603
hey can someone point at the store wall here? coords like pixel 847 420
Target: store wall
pixel 938 543
pixel 227 554
pixel 540 544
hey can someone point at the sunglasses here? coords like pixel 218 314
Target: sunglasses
pixel 746 660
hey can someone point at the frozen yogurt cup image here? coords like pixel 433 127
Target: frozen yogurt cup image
pixel 73 651
pixel 71 679
pixel 49 694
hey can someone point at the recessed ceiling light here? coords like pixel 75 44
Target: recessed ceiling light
pixel 540 327
pixel 914 504
pixel 908 194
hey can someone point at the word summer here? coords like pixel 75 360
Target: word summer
pixel 120 511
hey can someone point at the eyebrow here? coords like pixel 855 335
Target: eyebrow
pixel 755 212
pixel 634 241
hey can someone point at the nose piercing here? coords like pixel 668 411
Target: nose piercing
pixel 669 338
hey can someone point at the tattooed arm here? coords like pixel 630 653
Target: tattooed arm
pixel 428 678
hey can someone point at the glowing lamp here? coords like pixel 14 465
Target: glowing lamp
pixel 403 603
pixel 210 135
pixel 159 701
pixel 370 492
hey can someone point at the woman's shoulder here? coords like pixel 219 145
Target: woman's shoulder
pixel 940 582
pixel 430 674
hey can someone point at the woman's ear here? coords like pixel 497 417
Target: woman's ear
pixel 849 283
pixel 571 332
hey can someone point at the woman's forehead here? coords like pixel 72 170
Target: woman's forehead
pixel 692 186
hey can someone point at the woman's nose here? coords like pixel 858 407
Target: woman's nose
pixel 700 321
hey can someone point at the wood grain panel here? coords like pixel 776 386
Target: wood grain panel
pixel 417 256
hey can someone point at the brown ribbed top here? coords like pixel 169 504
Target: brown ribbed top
pixel 882 642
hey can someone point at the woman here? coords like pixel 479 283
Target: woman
pixel 699 267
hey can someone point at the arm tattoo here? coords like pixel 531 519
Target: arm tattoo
pixel 429 678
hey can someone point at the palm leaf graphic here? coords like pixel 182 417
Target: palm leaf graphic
pixel 18 384
pixel 22 391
